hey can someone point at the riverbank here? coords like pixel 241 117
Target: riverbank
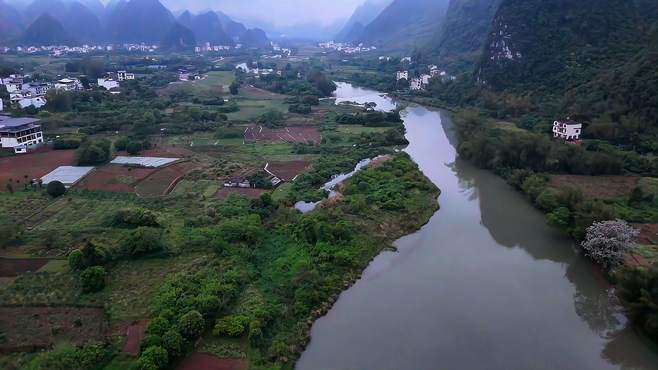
pixel 487 259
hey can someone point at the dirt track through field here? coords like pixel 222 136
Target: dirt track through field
pixel 296 134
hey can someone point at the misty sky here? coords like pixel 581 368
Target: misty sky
pixel 279 12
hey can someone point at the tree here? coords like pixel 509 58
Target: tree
pixel 608 242
pixel 76 260
pixel 153 358
pixel 192 324
pixel 173 342
pixel 234 88
pixel 134 147
pixel 143 240
pixel 93 279
pixel 55 189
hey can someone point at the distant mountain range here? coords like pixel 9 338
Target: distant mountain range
pixel 362 16
pixel 71 21
pixel 401 26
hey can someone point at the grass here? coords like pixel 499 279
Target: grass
pixel 251 109
pixel 358 130
pixel 650 252
pixel 206 188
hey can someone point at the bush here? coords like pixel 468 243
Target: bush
pixel 134 147
pixel 76 260
pixel 56 189
pixel 67 143
pixel 232 326
pixel 608 242
pixel 173 342
pixel 153 358
pixel 639 287
pixel 93 279
pixel 299 108
pixel 548 200
pixel 121 144
pixel 560 218
pixel 159 326
pixel 192 325
pixel 143 240
pixel 94 152
pixel 67 357
pixel 135 217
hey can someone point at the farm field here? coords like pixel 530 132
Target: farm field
pixel 296 134
pixel 600 187
pixel 163 181
pixel 115 178
pixel 23 168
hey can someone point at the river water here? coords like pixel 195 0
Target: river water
pixel 484 285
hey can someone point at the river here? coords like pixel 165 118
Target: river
pixel 484 285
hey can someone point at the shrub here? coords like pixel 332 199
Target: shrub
pixel 608 242
pixel 639 287
pixel 67 143
pixel 560 218
pixel 76 260
pixel 94 152
pixel 93 279
pixel 153 358
pixel 192 324
pixel 134 147
pixel 55 189
pixel 548 200
pixel 135 217
pixel 121 144
pixel 232 326
pixel 159 326
pixel 533 186
pixel 67 357
pixel 173 342
pixel 143 240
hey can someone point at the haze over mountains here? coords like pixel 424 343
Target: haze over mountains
pixel 134 21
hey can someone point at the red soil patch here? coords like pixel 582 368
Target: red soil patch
pixel 163 181
pixel 600 187
pixel 204 361
pixel 135 333
pixel 115 178
pixel 648 233
pixel 287 171
pixel 224 193
pixel 297 134
pixel 37 327
pixel 11 267
pixel 33 165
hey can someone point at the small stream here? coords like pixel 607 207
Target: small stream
pixel 486 284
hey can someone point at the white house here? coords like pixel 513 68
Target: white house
pixel 108 83
pixel 13 84
pixel 417 84
pixel 36 102
pixel 426 79
pixel 2 107
pixel 68 84
pixel 567 130
pixel 19 132
pixel 402 75
pixel 405 60
pixel 243 67
pixel 123 76
pixel 39 88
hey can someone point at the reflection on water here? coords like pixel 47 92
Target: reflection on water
pixel 484 285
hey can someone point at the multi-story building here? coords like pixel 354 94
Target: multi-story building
pixel 567 130
pixel 19 133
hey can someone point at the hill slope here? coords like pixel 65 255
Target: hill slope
pixel 459 43
pixel 405 24
pixel 363 15
pixel 139 21
pixel 46 30
pixel 11 24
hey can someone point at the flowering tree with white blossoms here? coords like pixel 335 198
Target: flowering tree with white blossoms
pixel 608 242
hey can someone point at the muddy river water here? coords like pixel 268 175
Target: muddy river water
pixel 486 284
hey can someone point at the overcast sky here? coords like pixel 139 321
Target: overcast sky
pixel 279 12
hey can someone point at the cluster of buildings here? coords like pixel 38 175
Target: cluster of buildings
pixel 281 51
pixel 208 48
pixel 257 71
pixel 421 82
pixel 346 48
pixel 19 133
pixel 60 50
pixel 112 81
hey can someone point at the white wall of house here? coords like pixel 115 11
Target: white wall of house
pixel 402 75
pixel 567 130
pixel 2 106
pixel 21 139
pixel 37 102
pixel 416 84
pixel 108 84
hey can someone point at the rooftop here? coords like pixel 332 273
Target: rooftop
pixel 7 122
